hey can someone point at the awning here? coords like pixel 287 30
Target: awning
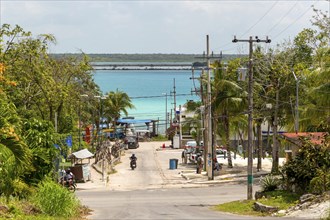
pixel 133 121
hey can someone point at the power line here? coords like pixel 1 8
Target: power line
pixel 282 17
pixel 293 22
pixel 260 19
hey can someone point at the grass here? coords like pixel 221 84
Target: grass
pixel 281 199
pixel 49 201
pixel 26 210
pixel 159 138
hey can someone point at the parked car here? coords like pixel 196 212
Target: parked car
pixel 190 146
pixel 132 142
pixel 221 154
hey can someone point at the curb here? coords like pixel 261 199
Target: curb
pixel 223 179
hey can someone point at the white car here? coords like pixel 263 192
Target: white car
pixel 221 154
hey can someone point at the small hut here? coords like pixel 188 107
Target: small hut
pixel 79 167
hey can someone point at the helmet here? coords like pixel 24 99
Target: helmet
pixel 133 155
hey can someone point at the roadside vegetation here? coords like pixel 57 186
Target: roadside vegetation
pixel 281 199
pixel 307 173
pixel 41 104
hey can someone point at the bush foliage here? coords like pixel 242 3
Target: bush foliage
pixel 269 183
pixel 55 200
pixel 309 170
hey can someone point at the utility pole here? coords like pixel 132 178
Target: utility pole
pixel 210 173
pixel 250 112
pixel 208 114
pixel 166 118
pixel 175 115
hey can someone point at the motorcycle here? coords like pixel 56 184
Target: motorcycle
pixel 133 163
pixel 69 184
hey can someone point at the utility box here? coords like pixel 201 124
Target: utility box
pixel 176 141
pixel 81 172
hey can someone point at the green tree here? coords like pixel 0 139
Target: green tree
pixel 40 137
pixel 116 103
pixel 229 100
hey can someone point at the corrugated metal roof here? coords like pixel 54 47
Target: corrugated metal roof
pixel 82 154
pixel 315 137
pixel 133 121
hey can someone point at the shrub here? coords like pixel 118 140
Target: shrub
pixel 311 162
pixel 269 183
pixel 55 200
pixel 321 182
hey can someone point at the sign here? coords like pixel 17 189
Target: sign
pixel 68 141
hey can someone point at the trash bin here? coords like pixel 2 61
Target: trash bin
pixel 176 163
pixel 173 164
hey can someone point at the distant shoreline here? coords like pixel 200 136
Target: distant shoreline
pixel 141 66
pixel 148 58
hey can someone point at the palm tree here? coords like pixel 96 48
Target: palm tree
pixel 229 100
pixel 15 156
pixel 116 103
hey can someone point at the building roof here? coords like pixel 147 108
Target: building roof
pixel 82 154
pixel 133 121
pixel 315 137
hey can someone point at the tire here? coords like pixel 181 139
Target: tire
pixel 72 188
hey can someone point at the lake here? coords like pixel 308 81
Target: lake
pixel 147 89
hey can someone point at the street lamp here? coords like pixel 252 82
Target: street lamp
pixel 296 124
pixel 99 128
pixel 79 122
pixel 166 119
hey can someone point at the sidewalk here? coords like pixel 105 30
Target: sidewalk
pixel 188 171
pixel 96 181
pixel 185 175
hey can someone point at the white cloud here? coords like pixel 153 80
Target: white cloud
pixel 157 26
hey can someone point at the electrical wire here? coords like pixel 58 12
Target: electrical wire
pixel 260 19
pixel 272 28
pixel 279 34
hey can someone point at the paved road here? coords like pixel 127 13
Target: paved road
pixel 153 191
pixel 170 203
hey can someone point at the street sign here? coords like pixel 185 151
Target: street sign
pixel 68 141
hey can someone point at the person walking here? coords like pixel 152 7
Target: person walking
pixel 200 163
pixel 183 154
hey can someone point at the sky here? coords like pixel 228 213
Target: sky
pixel 160 26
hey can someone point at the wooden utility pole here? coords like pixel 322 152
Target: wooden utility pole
pixel 250 113
pixel 176 120
pixel 208 134
pixel 210 173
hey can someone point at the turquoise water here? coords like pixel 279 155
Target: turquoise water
pixel 146 89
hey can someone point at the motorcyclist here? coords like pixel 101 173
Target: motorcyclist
pixel 133 159
pixel 68 176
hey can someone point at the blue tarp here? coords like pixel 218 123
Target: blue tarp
pixel 133 121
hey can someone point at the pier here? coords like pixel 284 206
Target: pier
pixel 142 66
